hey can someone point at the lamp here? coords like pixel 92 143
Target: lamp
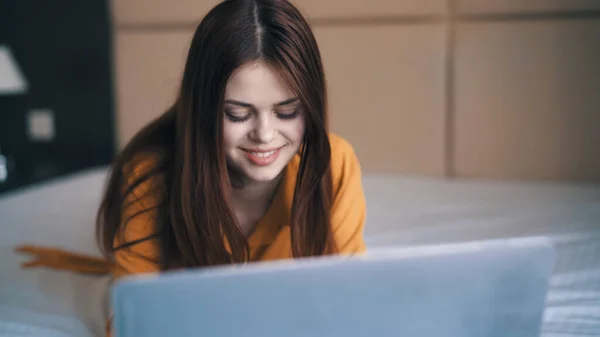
pixel 12 81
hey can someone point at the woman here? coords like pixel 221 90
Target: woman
pixel 241 168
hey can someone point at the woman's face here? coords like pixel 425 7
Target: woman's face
pixel 263 123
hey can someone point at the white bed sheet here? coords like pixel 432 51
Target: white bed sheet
pixel 405 211
pixel 59 213
pixel 402 211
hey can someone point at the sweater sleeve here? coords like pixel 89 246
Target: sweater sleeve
pixel 349 204
pixel 136 246
pixel 136 243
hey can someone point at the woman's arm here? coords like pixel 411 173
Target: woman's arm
pixel 136 244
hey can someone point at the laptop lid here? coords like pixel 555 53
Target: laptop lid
pixel 493 288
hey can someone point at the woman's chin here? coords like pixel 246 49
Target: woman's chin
pixel 263 175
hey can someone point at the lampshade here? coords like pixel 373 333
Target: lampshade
pixel 12 81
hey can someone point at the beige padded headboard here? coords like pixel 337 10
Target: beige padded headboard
pixel 459 88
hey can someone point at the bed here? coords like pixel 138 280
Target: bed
pixel 402 211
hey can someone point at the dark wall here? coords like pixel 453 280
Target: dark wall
pixel 64 49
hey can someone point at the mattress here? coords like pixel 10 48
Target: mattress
pixel 402 211
pixel 40 302
pixel 405 211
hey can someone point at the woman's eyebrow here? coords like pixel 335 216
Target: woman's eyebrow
pixel 248 105
pixel 287 101
pixel 242 104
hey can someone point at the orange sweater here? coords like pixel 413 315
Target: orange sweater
pixel 270 239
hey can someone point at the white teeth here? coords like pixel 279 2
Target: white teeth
pixel 263 154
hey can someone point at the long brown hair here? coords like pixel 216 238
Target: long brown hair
pixel 194 220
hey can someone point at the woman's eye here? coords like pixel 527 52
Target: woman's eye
pixel 237 117
pixel 289 114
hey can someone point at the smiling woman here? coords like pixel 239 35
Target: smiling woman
pixel 242 168
pixel 264 127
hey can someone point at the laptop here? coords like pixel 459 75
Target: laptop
pixel 491 288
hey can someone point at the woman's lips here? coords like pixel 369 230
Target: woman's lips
pixel 262 157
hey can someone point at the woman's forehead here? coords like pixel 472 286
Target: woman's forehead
pixel 258 84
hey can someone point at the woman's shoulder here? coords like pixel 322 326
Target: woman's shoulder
pixel 344 162
pixel 143 183
pixel 143 169
pixel 139 164
pixel 340 147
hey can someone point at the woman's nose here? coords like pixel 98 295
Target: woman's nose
pixel 264 131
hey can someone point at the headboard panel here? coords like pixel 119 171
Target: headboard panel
pixel 477 89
